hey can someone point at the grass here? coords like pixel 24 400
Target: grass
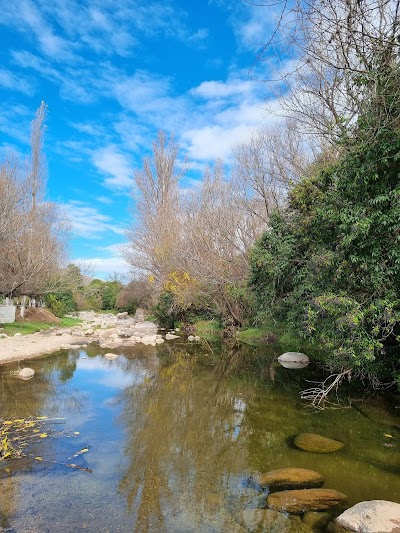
pixel 26 328
pixel 207 329
pixel 253 335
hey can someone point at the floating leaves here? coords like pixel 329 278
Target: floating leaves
pixel 17 434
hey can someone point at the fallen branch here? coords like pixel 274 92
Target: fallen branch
pixel 318 396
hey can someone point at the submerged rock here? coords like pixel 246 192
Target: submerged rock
pixel 260 520
pixel 310 442
pixel 26 373
pixel 375 516
pixel 290 478
pixel 302 501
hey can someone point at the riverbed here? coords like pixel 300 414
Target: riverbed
pixel 174 437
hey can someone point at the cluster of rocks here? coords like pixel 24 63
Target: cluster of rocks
pixel 111 331
pixel 299 495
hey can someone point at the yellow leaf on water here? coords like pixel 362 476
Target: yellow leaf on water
pixel 36 430
pixel 76 433
pixel 389 436
pixel 38 458
pixel 43 435
pixel 41 417
pixel 8 422
pixel 19 420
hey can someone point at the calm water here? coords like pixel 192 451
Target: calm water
pixel 175 434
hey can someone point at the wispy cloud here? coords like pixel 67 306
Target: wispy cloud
pixel 8 80
pixel 88 222
pixel 115 165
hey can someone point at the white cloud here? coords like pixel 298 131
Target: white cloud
pixel 8 80
pixel 104 266
pixel 219 89
pixel 115 165
pixel 88 222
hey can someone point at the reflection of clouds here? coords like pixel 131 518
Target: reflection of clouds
pixel 110 374
pixel 240 407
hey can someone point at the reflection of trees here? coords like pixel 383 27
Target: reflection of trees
pixel 182 444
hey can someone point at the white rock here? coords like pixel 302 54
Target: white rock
pixel 3 336
pixel 17 334
pixel 160 341
pixel 196 338
pixel 375 516
pixel 26 373
pixel 111 355
pixel 170 336
pixel 293 357
pixel 191 338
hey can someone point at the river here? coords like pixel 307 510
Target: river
pixel 175 437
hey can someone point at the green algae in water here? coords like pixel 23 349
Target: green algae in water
pixel 176 434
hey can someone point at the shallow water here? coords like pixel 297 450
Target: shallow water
pixel 176 433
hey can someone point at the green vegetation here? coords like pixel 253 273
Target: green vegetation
pixel 208 329
pixel 26 328
pixel 329 266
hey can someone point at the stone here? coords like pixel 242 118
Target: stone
pixel 191 338
pixel 122 315
pixel 110 355
pixel 293 357
pixel 302 501
pixel 318 521
pixel 170 336
pixel 17 334
pixel 290 478
pixel 310 442
pixel 263 520
pixel 3 335
pixel 65 346
pixel 375 516
pixel 26 373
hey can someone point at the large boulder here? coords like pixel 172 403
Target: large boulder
pixel 293 357
pixel 375 516
pixel 310 442
pixel 290 478
pixel 302 501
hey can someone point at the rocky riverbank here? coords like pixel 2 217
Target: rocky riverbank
pixel 109 331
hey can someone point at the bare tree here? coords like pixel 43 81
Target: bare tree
pixel 339 49
pixel 267 164
pixel 33 232
pixel 155 232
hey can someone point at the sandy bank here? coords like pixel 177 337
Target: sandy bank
pixel 22 347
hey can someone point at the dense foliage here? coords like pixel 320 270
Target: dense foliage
pixel 330 262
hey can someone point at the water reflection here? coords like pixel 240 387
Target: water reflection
pixel 176 432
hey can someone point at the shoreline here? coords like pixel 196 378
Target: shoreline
pixel 21 347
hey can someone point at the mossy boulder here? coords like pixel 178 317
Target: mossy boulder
pixel 305 500
pixel 290 478
pixel 311 442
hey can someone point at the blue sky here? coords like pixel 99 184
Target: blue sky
pixel 114 72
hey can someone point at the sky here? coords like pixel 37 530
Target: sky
pixel 113 73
